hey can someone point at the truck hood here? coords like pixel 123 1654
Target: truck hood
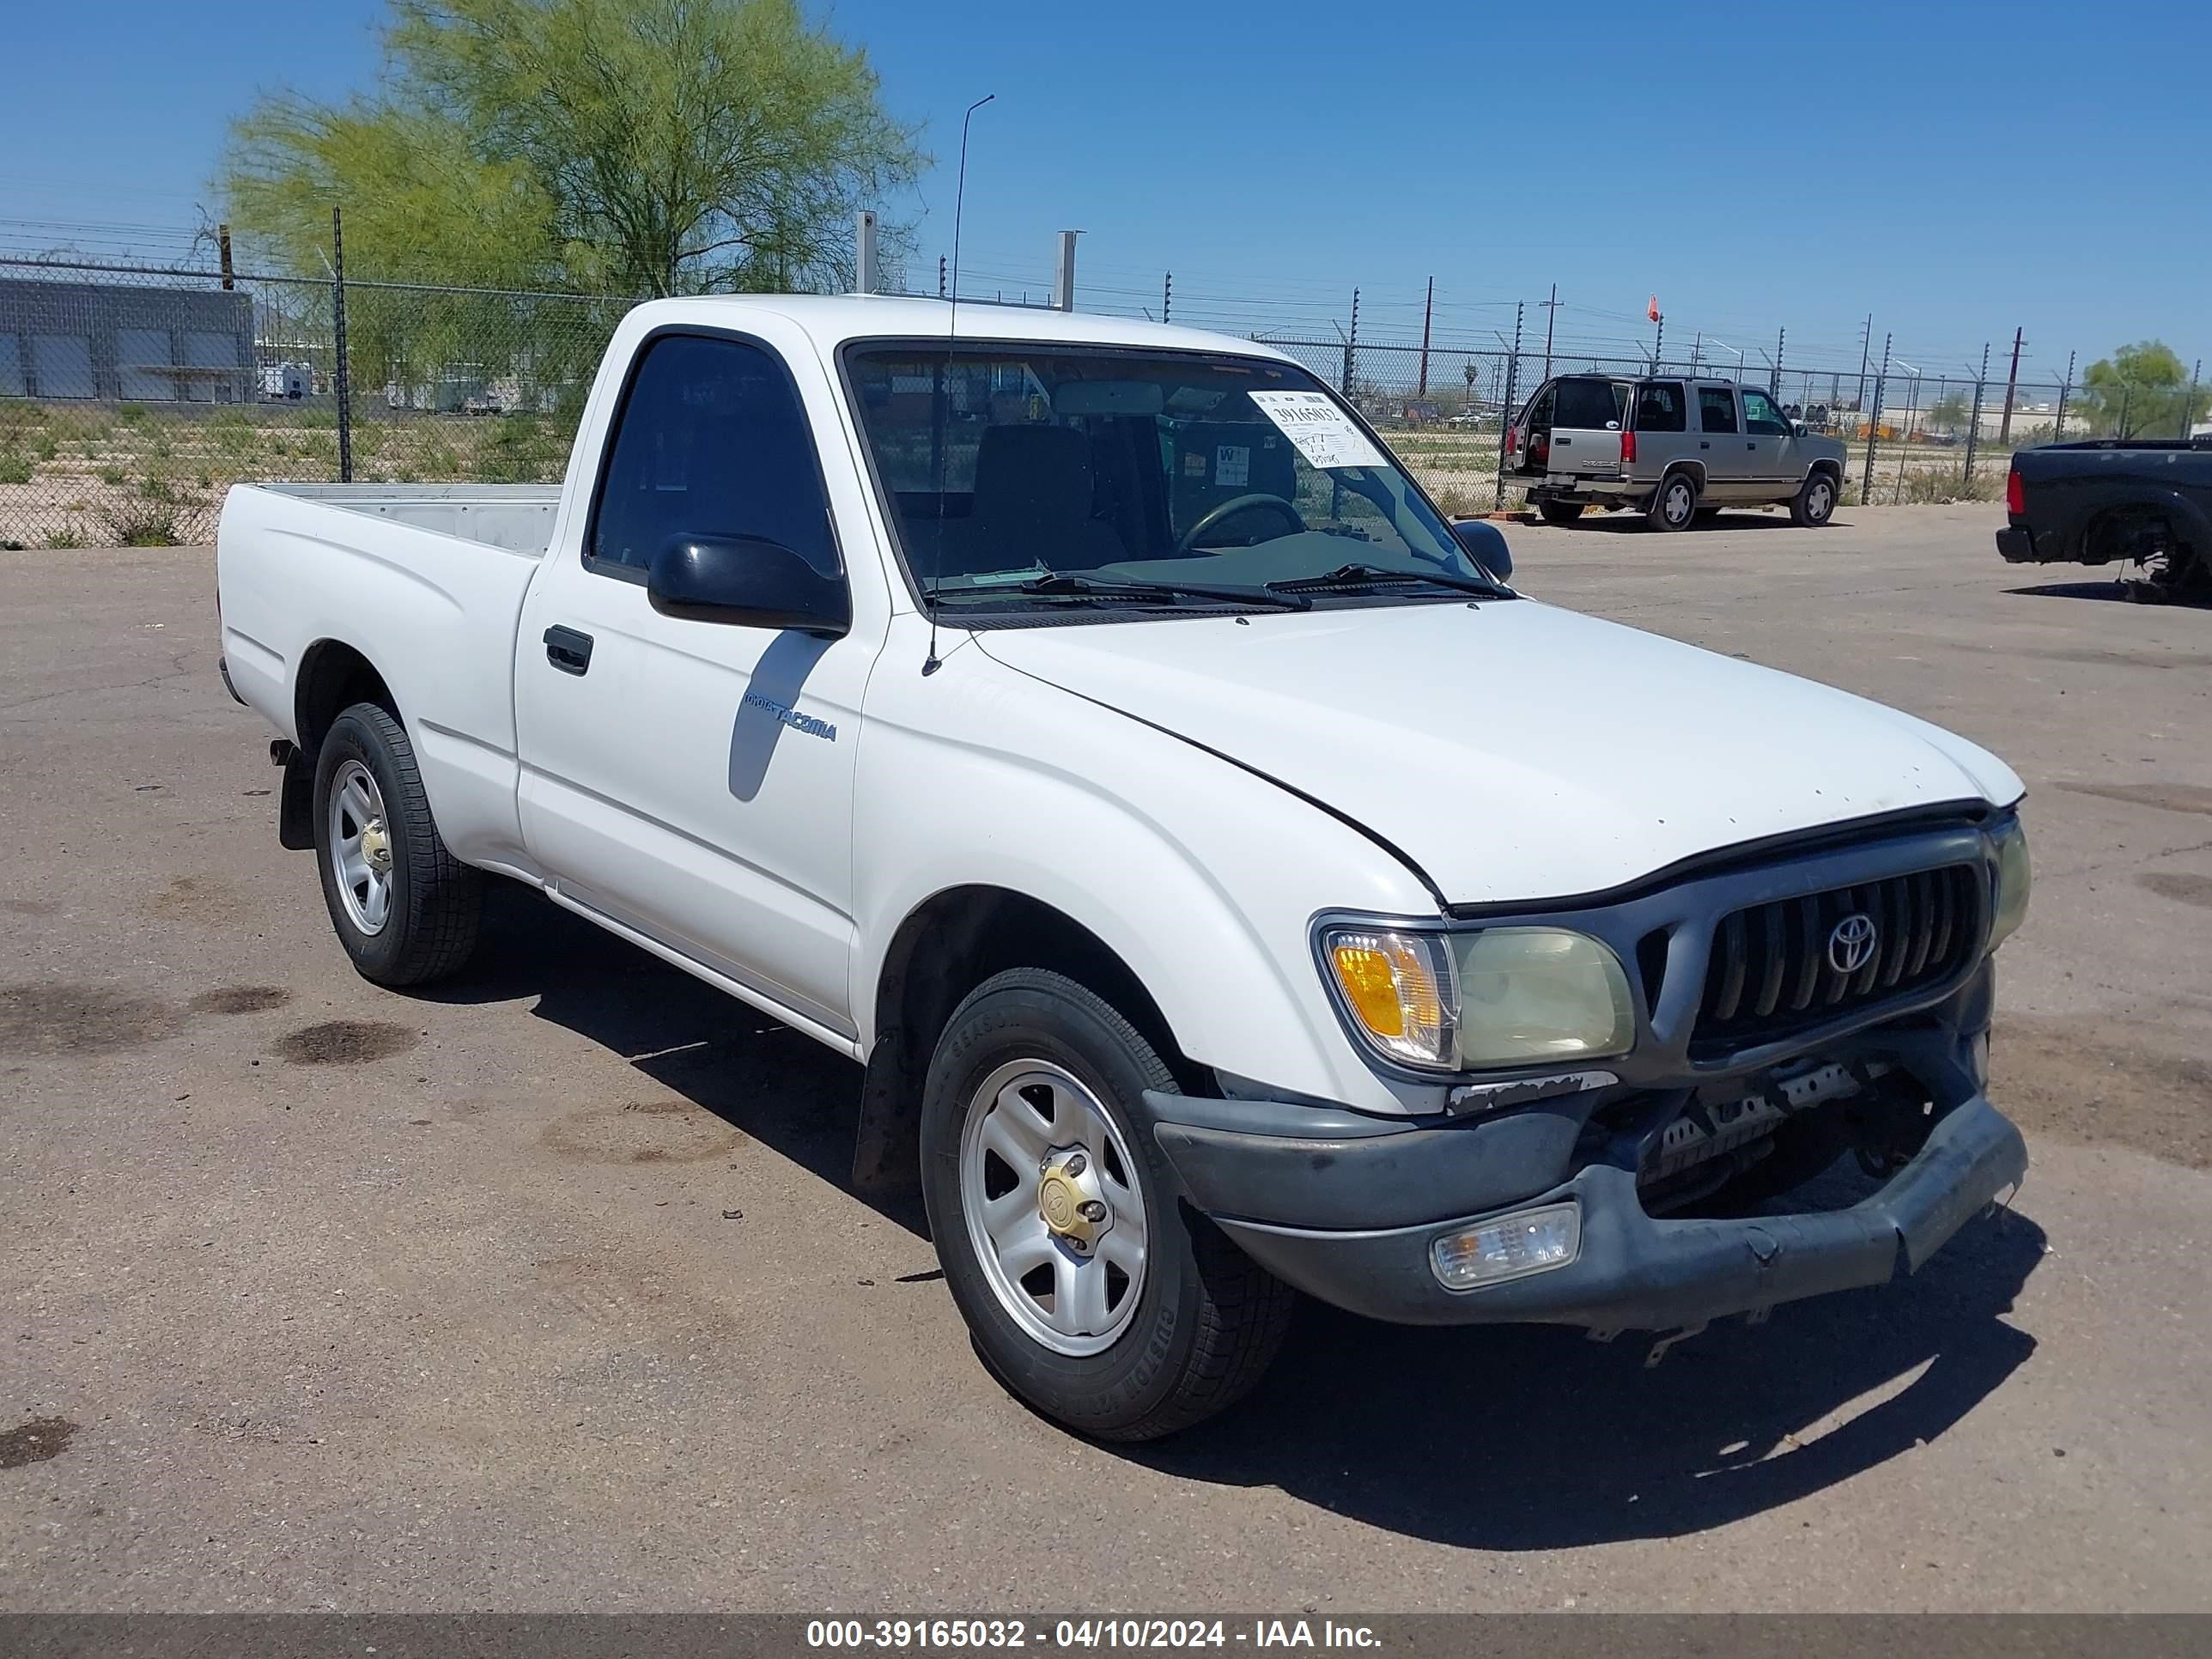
pixel 1514 751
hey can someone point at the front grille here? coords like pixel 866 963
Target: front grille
pixel 1771 970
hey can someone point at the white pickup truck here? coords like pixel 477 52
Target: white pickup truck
pixel 1230 883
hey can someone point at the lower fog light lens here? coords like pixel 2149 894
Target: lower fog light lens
pixel 1511 1247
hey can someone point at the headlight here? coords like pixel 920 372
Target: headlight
pixel 1533 994
pixel 2013 883
pixel 1462 1001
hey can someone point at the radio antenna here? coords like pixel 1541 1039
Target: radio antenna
pixel 930 664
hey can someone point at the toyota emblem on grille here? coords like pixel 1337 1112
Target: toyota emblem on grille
pixel 1851 943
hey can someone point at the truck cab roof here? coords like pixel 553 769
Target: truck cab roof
pixel 831 320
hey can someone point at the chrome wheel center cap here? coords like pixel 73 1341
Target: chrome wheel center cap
pixel 1071 1199
pixel 376 845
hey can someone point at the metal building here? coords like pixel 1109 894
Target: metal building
pixel 95 340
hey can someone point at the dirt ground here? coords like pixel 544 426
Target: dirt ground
pixel 546 1291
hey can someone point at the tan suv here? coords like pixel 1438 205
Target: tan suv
pixel 1673 449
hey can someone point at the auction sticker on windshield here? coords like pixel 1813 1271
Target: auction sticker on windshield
pixel 1323 433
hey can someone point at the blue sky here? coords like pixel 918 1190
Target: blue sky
pixel 1955 169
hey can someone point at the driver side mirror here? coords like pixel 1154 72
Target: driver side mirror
pixel 1484 542
pixel 1796 428
pixel 747 579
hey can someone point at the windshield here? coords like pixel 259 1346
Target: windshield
pixel 1069 468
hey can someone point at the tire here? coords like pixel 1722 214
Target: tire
pixel 1561 513
pixel 1675 503
pixel 406 910
pixel 1814 503
pixel 1034 1071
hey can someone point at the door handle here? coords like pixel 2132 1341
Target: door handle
pixel 1753 447
pixel 568 650
pixel 1564 443
pixel 1705 443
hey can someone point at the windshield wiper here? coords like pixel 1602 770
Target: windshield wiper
pixel 1069 586
pixel 1373 575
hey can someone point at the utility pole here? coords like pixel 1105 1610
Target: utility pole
pixel 1551 312
pixel 1167 296
pixel 2189 408
pixel 2058 425
pixel 2012 384
pixel 1780 334
pixel 1874 421
pixel 1866 344
pixel 1428 312
pixel 1063 274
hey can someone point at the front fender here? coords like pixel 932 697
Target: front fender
pixel 1201 877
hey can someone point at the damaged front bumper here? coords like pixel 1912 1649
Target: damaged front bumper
pixel 1631 1271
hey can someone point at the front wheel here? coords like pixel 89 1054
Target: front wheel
pixel 1091 1292
pixel 405 908
pixel 1814 503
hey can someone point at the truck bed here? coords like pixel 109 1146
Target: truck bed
pixel 514 518
pixel 424 581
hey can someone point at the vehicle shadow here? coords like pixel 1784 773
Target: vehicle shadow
pixel 783 1090
pixel 2112 590
pixel 1633 523
pixel 1534 1438
pixel 1507 1438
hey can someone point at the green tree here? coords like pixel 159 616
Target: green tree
pixel 622 146
pixel 2139 390
pixel 1948 414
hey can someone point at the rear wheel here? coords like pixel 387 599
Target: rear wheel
pixel 1814 503
pixel 405 908
pixel 1675 502
pixel 1090 1293
pixel 1559 512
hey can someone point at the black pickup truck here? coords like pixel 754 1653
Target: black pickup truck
pixel 2146 500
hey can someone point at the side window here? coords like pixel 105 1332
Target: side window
pixel 1716 409
pixel 711 441
pixel 1540 412
pixel 1760 415
pixel 1659 407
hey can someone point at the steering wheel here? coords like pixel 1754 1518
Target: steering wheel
pixel 1234 505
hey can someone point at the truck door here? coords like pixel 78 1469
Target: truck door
pixel 1776 454
pixel 1587 416
pixel 693 780
pixel 1722 447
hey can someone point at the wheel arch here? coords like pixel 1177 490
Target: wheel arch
pixel 942 949
pixel 333 677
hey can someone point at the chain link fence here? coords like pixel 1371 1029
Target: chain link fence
pixel 132 398
pixel 1916 435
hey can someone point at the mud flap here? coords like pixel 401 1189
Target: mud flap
pixel 295 804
